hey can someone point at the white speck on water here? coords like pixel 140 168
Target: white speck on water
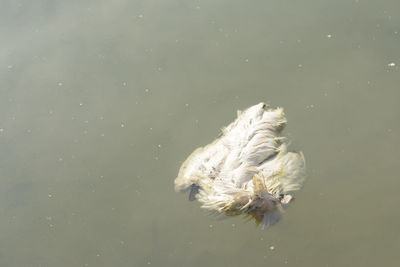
pixel 246 60
pixel 146 90
pixel 140 16
pixel 151 128
pixel 148 263
pixel 50 195
pixel 197 7
pixel 60 159
pixel 60 84
pixel 210 226
pixel 124 84
pixel 300 65
pixel 122 125
pixel 233 225
pixel 9 67
pixel 310 106
pixel 159 145
pixel 392 64
pixel 98 255
pixel 271 248
pixel 80 104
pixel 102 135
pixel 186 105
pixel 1 130
pixel 329 35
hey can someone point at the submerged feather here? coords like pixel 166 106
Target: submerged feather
pixel 247 169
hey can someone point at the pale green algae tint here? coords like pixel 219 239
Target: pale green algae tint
pixel 102 101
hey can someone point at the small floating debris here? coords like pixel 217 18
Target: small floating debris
pixel 247 170
pixel 392 64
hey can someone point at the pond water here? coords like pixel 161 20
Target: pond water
pixel 101 102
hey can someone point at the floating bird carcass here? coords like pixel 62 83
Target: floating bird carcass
pixel 247 169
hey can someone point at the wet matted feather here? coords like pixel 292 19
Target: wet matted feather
pixel 247 169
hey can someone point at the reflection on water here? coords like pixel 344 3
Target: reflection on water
pixel 101 101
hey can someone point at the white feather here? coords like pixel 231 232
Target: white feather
pixel 224 170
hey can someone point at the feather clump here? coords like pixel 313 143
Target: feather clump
pixel 247 169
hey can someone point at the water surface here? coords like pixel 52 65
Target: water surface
pixel 101 101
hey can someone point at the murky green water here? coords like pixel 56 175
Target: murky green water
pixel 101 101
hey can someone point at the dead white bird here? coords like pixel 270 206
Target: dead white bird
pixel 247 170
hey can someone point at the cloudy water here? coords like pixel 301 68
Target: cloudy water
pixel 102 101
